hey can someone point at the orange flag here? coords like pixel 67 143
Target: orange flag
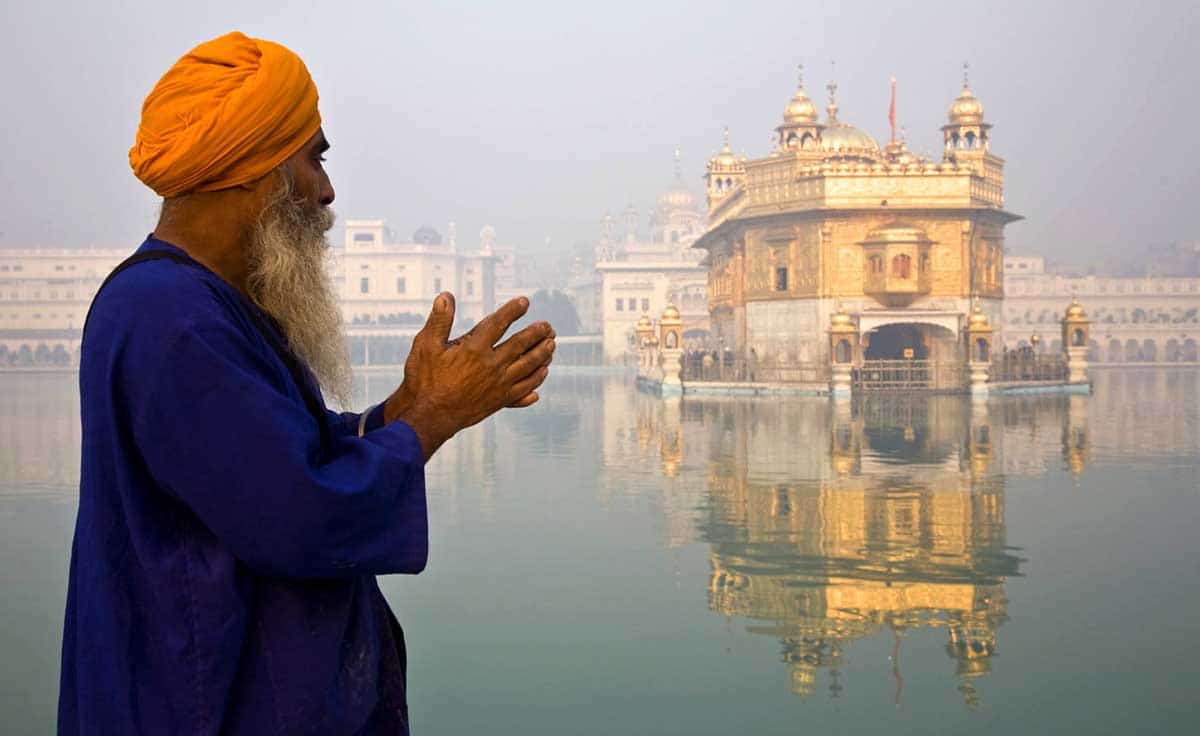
pixel 892 109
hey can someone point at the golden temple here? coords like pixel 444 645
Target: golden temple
pixel 905 243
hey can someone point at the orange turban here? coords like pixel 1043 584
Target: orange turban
pixel 227 113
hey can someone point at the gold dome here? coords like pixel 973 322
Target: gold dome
pixel 644 323
pixel 800 109
pixel 840 139
pixel 978 318
pixel 966 109
pixel 725 160
pixel 670 313
pixel 840 318
pixel 1075 311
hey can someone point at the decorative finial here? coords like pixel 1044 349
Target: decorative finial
pixel 800 76
pixel 966 70
pixel 832 108
pixel 725 136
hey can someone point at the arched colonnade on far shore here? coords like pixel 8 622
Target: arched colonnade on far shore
pixel 1122 349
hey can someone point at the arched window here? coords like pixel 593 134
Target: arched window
pixel 1077 337
pixel 1114 351
pixel 981 350
pixel 842 354
pixel 954 140
pixel 1188 353
pixel 672 340
pixel 969 139
pixel 1133 352
pixel 901 266
pixel 1173 352
pixel 728 184
pixel 791 140
pixel 807 141
pixel 718 185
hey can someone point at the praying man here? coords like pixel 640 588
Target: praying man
pixel 230 526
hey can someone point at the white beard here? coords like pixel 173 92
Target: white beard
pixel 290 280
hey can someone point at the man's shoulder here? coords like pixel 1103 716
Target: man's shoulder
pixel 159 296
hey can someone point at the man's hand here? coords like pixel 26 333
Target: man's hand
pixel 451 385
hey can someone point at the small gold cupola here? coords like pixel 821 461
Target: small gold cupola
pixel 966 132
pixel 726 173
pixel 801 127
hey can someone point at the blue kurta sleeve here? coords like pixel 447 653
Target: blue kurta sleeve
pixel 348 422
pixel 222 435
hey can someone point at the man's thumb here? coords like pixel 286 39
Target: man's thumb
pixel 441 318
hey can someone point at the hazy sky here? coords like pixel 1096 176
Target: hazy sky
pixel 536 117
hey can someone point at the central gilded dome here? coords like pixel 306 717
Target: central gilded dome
pixel 841 139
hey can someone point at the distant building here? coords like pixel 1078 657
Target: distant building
pixel 642 276
pixel 1147 319
pixel 387 285
pixel 44 297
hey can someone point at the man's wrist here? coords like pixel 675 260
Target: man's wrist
pixel 425 423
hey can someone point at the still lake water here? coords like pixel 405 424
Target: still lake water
pixel 608 562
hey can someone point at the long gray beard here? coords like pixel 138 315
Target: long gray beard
pixel 290 280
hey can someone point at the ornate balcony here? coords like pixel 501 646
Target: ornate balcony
pixel 896 261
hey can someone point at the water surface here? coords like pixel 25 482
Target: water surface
pixel 607 562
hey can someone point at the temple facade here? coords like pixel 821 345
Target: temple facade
pixel 829 218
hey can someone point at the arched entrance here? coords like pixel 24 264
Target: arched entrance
pixel 911 356
pixel 897 342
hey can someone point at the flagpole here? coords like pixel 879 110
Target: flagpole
pixel 892 110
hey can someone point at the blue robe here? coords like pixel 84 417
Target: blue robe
pixel 223 569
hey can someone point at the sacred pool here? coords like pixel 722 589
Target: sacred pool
pixel 613 562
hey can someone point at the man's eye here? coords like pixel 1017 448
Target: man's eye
pixel 320 159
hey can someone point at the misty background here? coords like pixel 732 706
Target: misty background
pixel 537 117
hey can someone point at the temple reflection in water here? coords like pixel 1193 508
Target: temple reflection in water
pixel 833 522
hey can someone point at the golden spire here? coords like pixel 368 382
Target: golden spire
pixel 966 77
pixel 832 108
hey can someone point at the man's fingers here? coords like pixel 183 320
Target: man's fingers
pixel 441 319
pixel 516 346
pixel 532 360
pixel 529 383
pixel 528 399
pixel 492 327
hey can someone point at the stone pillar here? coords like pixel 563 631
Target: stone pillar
pixel 843 353
pixel 1075 328
pixel 979 351
pixel 671 345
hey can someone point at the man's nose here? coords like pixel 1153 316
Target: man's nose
pixel 326 195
